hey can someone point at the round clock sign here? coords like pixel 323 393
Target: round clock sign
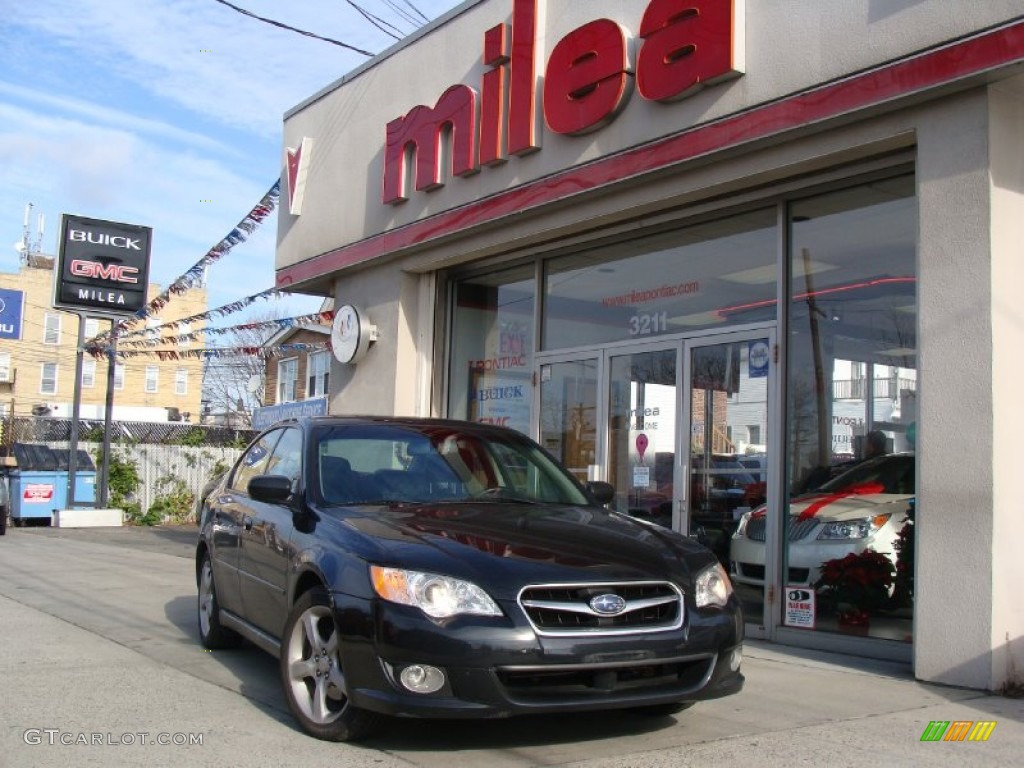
pixel 350 334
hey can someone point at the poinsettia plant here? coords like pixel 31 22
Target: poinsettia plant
pixel 858 583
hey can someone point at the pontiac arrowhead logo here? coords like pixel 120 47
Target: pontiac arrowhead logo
pixel 298 168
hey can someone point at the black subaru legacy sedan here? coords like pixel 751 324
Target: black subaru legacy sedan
pixel 437 568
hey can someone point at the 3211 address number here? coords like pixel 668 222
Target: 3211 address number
pixel 646 324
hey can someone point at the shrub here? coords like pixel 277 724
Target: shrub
pixel 174 501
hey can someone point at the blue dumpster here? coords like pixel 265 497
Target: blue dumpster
pixel 39 484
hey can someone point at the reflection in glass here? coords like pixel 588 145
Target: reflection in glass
pixel 492 349
pixel 704 276
pixel 568 414
pixel 642 434
pixel 728 403
pixel 852 389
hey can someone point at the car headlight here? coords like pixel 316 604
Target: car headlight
pixel 741 528
pixel 435 595
pixel 712 587
pixel 852 529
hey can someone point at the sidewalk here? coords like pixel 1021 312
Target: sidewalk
pixel 96 640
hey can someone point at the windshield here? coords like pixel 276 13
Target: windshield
pixel 894 472
pixel 384 463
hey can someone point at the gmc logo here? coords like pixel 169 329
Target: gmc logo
pixel 684 45
pixel 119 273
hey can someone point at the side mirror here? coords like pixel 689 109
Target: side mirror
pixel 602 491
pixel 272 489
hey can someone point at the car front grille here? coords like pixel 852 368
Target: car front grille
pixel 531 685
pixel 798 529
pixel 564 609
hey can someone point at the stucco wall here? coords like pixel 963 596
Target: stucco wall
pixel 385 382
pixel 955 472
pixel 1007 312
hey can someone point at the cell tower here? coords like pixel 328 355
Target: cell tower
pixel 28 246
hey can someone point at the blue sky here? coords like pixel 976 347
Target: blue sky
pixel 141 110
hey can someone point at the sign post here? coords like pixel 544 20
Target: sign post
pixel 102 270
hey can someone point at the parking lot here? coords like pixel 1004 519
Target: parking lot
pixel 100 663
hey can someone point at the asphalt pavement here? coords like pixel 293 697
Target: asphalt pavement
pixel 100 665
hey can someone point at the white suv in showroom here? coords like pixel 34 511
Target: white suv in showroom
pixel 860 509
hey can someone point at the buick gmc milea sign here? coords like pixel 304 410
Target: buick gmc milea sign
pixel 102 265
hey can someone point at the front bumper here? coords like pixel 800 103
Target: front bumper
pixel 496 667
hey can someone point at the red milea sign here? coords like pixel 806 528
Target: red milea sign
pixel 589 77
pixel 37 493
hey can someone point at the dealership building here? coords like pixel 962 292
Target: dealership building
pixel 707 251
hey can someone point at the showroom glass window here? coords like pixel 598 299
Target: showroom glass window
pixel 492 348
pixel 705 276
pixel 852 385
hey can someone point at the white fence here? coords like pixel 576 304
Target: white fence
pixel 193 465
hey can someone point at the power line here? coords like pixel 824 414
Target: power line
pixel 278 24
pixel 378 22
pixel 422 16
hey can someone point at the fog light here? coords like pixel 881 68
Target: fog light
pixel 422 678
pixel 736 658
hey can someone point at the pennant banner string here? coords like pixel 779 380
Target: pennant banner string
pixel 217 352
pixel 301 321
pixel 195 273
pixel 225 309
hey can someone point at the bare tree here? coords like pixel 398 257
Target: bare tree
pixel 233 385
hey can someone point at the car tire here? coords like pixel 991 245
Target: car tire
pixel 3 521
pixel 664 710
pixel 212 633
pixel 312 676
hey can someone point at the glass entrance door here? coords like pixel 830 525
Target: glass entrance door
pixel 569 414
pixel 680 429
pixel 643 431
pixel 729 381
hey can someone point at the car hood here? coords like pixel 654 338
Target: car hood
pixel 848 505
pixel 505 546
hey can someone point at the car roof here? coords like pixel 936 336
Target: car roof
pixel 414 422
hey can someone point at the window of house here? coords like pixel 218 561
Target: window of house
pixel 5 366
pixel 119 376
pixel 152 378
pixel 319 371
pixel 287 378
pixel 92 327
pixel 51 329
pixel 181 381
pixel 152 331
pixel 184 329
pixel 88 373
pixel 48 379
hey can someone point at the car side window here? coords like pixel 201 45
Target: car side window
pixel 254 461
pixel 287 457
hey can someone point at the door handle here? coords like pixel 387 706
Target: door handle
pixel 247 522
